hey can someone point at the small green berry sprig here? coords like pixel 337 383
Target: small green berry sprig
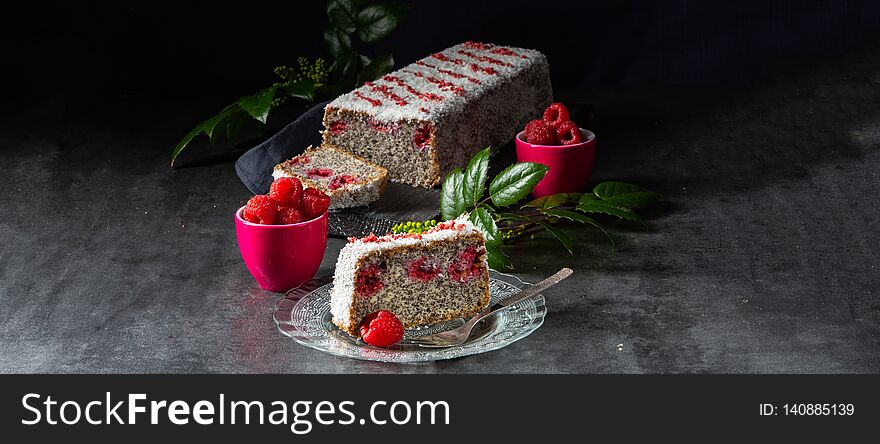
pixel 414 227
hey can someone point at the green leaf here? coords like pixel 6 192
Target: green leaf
pixel 577 217
pixel 338 43
pixel 377 21
pixel 234 125
pixel 206 127
pixel 554 200
pixel 475 177
pixel 609 189
pixel 259 104
pixel 605 207
pixel 516 182
pixel 342 14
pixel 451 202
pixel 217 131
pixel 558 234
pixel 497 258
pixel 378 67
pixel 635 200
pixel 483 220
pixel 303 89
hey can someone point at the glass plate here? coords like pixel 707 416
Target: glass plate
pixel 304 315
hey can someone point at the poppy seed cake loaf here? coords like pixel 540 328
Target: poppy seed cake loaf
pixel 349 180
pixel 426 278
pixel 430 117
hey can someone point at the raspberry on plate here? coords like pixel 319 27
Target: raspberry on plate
pixel 287 191
pixel 381 329
pixel 261 208
pixel 539 132
pixel 289 215
pixel 569 133
pixel 556 114
pixel 314 203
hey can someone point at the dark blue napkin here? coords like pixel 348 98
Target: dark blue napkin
pixel 254 167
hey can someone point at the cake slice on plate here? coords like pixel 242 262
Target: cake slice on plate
pixel 349 180
pixel 426 278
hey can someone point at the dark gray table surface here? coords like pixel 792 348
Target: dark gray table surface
pixel 762 259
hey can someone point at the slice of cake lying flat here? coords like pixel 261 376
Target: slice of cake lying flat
pixel 430 117
pixel 349 180
pixel 425 278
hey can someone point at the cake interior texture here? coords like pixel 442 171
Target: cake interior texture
pixel 346 178
pixel 428 118
pixel 421 282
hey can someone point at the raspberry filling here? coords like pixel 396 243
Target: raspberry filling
pixel 422 137
pixel 338 127
pixel 319 172
pixel 369 281
pixel 422 269
pixel 465 266
pixel 341 181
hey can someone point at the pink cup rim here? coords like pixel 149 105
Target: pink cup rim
pixel 589 135
pixel 274 226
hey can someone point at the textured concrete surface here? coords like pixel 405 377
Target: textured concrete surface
pixel 762 259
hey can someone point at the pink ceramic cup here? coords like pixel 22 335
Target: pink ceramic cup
pixel 281 257
pixel 570 165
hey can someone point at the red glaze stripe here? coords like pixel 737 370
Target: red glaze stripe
pixel 478 46
pixel 449 73
pixel 422 95
pixel 507 52
pixel 442 84
pixel 481 58
pixel 442 57
pixel 372 101
pixel 386 91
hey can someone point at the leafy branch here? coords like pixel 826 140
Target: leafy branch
pixel 463 192
pixel 350 21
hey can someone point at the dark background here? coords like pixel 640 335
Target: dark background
pixel 187 50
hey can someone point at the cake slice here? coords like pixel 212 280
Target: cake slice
pixel 425 278
pixel 349 180
pixel 426 119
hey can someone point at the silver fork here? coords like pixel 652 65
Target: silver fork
pixel 460 334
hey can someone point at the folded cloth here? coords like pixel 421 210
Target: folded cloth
pixel 254 167
pixel 399 202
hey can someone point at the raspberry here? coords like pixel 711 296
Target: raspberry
pixel 249 217
pixel 341 181
pixel 465 266
pixel 262 208
pixel 289 215
pixel 319 172
pixel 381 329
pixel 423 270
pixel 369 280
pixel 287 191
pixel 422 137
pixel 555 114
pixel 314 203
pixel 539 133
pixel 569 133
